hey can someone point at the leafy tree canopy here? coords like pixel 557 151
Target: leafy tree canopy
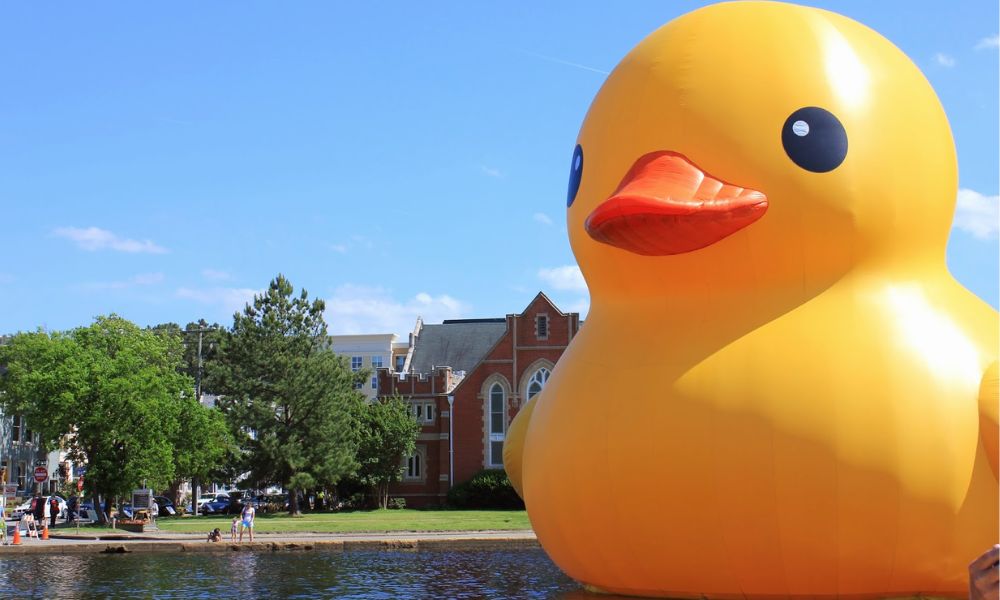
pixel 111 392
pixel 388 434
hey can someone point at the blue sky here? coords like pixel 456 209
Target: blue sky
pixel 394 159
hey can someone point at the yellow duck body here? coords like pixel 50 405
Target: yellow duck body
pixel 801 406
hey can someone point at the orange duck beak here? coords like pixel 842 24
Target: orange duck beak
pixel 667 205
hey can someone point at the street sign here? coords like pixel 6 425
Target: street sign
pixel 41 474
pixel 10 490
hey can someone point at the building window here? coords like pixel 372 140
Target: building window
pixel 400 361
pixel 542 326
pixel 413 467
pixel 376 362
pixel 355 363
pixel 374 383
pixel 358 385
pixel 15 430
pixel 537 382
pixel 416 463
pixel 22 472
pixel 497 423
pixel 422 412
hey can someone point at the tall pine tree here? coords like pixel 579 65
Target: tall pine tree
pixel 290 400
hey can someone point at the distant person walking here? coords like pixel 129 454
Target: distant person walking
pixel 53 511
pixel 246 520
pixel 38 508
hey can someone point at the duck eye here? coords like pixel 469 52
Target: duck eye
pixel 575 173
pixel 814 139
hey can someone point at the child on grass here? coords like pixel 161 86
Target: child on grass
pixel 234 528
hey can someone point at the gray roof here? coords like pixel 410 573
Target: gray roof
pixel 457 345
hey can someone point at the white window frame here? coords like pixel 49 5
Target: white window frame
pixel 540 377
pixel 356 363
pixel 376 362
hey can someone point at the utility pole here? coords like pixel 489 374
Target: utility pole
pixel 195 484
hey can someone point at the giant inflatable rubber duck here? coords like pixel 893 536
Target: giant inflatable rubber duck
pixel 780 391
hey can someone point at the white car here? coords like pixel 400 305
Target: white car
pixel 19 510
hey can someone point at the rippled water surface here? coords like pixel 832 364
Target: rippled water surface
pixel 389 575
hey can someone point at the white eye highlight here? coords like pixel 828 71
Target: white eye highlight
pixel 800 128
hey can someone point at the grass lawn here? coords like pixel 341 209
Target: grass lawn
pixel 375 520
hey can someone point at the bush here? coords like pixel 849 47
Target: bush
pixel 397 503
pixel 489 488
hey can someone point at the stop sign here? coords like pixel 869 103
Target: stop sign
pixel 41 474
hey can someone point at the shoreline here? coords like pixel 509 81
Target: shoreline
pixel 404 541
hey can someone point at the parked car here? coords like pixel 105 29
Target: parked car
pixel 239 499
pixel 219 505
pixel 165 505
pixel 19 510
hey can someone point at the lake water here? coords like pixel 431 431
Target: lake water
pixel 354 575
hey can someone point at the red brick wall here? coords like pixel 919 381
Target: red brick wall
pixel 470 409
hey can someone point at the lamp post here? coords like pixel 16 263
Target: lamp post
pixel 451 440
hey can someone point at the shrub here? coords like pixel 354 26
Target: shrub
pixel 489 488
pixel 397 503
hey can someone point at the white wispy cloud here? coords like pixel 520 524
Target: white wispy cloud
pixel 140 280
pixel 354 242
pixel 542 218
pixel 228 299
pixel 560 61
pixel 944 60
pixel 95 238
pixel 580 305
pixel 992 41
pixel 568 278
pixel 216 275
pixel 491 171
pixel 354 309
pixel 977 214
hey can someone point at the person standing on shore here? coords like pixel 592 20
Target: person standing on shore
pixel 53 511
pixel 246 520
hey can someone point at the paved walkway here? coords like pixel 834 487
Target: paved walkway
pixel 65 541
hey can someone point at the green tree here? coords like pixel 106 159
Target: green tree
pixel 112 391
pixel 388 435
pixel 289 400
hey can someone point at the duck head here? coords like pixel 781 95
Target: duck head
pixel 759 143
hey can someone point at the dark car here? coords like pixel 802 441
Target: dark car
pixel 239 499
pixel 217 506
pixel 166 506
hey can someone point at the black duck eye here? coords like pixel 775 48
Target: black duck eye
pixel 814 139
pixel 575 174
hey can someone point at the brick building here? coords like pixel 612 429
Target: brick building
pixel 465 382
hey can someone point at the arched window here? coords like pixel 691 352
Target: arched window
pixel 498 422
pixel 537 382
